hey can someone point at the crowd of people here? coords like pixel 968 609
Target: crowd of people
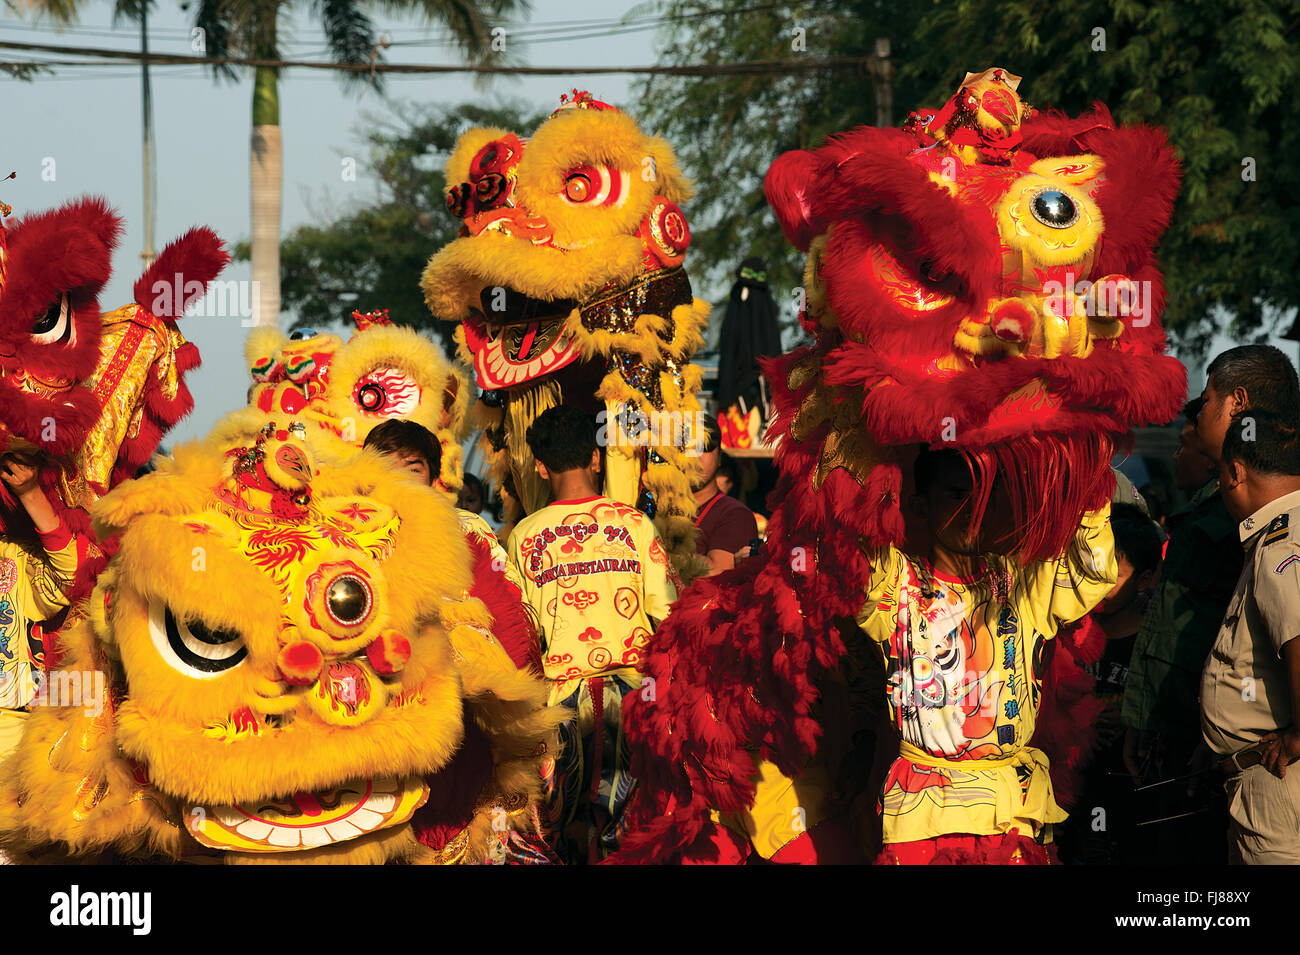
pixel 1198 686
pixel 1196 674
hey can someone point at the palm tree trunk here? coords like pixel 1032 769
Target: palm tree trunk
pixel 266 176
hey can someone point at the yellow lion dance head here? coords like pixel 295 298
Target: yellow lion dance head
pixel 569 285
pixel 278 665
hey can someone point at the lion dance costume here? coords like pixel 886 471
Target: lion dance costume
pixel 342 390
pixel 90 392
pixel 982 279
pixel 276 677
pixel 569 285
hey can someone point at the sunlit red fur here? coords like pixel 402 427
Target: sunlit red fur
pixel 68 249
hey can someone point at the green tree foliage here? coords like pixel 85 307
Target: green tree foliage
pixel 373 254
pixel 1223 79
pixel 728 129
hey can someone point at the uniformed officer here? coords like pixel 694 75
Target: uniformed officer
pixel 1250 688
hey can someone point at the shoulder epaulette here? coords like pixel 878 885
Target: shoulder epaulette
pixel 1278 530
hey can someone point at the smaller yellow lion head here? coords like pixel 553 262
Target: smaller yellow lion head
pixel 569 281
pixel 345 389
pixel 569 236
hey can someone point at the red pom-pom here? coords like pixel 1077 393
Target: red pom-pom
pixel 389 652
pixel 300 663
pixel 1012 321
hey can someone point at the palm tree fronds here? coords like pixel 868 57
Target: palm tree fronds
pixel 349 33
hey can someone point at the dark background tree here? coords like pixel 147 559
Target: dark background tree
pixel 726 130
pixel 1223 79
pixel 372 255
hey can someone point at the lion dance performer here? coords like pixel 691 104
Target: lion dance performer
pixel 569 285
pixel 981 287
pixel 85 397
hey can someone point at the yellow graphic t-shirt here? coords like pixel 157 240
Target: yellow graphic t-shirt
pixel 32 586
pixel 964 671
pixel 597 574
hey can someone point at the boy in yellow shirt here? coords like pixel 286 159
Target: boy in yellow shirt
pixel 962 633
pixel 598 576
pixel 34 578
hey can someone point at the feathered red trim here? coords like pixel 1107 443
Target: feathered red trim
pixel 511 624
pixel 1067 716
pixel 64 422
pixel 180 275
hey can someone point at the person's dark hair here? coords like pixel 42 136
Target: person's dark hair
pixel 1265 442
pixel 712 433
pixel 1192 410
pixel 727 468
pixel 563 438
pixel 1137 537
pixel 397 436
pixel 475 482
pixel 1265 372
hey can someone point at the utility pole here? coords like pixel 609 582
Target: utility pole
pixel 150 191
pixel 882 75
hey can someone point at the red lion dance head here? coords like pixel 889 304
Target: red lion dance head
pixel 93 392
pixel 983 279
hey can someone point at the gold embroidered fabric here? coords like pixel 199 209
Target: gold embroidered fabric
pixel 137 352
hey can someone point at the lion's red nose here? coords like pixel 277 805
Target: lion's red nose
pixel 1012 321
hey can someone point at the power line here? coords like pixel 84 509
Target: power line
pixel 613 26
pixel 519 30
pixel 700 69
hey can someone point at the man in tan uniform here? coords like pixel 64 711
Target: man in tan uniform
pixel 1250 688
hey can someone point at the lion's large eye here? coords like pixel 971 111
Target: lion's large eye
pixel 1054 208
pixel 577 187
pixel 386 393
pixel 192 647
pixel 595 185
pixel 55 323
pixel 348 600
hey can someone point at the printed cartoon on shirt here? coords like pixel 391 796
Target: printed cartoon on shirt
pixel 940 680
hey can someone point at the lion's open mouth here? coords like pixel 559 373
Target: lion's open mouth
pixel 308 820
pixel 516 338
